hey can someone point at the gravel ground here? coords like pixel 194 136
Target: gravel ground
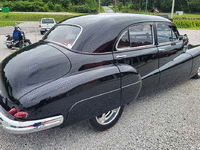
pixel 193 35
pixel 167 119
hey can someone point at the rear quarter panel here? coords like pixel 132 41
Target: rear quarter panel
pixel 195 53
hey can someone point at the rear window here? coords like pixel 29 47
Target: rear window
pixel 64 34
pixel 47 20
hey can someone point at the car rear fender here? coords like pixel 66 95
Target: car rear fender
pixel 194 51
pixel 98 91
pixel 84 94
pixel 131 83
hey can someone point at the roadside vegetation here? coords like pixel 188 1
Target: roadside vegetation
pixel 191 9
pixel 188 6
pixel 33 17
pixel 190 19
pixel 9 19
pixel 8 23
pixel 83 6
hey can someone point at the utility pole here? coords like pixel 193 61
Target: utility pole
pixel 99 6
pixel 172 9
pixel 115 5
pixel 146 4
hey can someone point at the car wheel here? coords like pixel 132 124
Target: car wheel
pixel 20 44
pixel 27 43
pixel 42 32
pixel 197 76
pixel 106 120
pixel 9 45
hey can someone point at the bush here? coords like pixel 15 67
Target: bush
pixel 134 7
pixel 8 4
pixel 189 23
pixel 25 5
pixel 58 8
pixel 65 4
pixel 50 5
pixel 46 8
pixel 83 9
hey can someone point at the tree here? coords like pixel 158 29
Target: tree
pixel 65 3
pixel 195 5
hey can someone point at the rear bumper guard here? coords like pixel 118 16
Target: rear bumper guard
pixel 22 127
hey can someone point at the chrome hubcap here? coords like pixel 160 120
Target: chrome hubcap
pixel 198 72
pixel 108 117
pixel 26 44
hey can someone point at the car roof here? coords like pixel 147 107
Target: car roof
pixel 112 18
pixel 99 29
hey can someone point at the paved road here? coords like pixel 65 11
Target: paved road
pixel 107 9
pixel 167 119
pixel 4 51
pixel 28 26
pixel 193 35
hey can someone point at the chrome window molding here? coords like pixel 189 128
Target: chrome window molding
pixel 74 40
pixel 138 47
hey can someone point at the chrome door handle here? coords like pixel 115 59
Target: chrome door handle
pixel 173 44
pixel 121 56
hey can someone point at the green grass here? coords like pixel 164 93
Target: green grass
pixel 186 21
pixel 187 24
pixel 8 18
pixel 186 15
pixel 33 17
pixel 8 23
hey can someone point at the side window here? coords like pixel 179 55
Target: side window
pixel 165 33
pixel 140 35
pixel 124 40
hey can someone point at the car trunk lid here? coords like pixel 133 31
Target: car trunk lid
pixel 30 68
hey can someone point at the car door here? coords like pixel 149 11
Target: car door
pixel 136 48
pixel 172 59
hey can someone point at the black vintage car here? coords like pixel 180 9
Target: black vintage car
pixel 90 67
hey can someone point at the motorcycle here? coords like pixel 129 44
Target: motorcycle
pixel 12 42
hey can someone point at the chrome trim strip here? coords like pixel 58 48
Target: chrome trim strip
pixel 131 84
pixel 93 97
pixel 22 127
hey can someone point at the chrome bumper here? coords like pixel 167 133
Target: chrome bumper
pixel 22 127
pixel 45 29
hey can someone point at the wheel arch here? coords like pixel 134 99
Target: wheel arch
pixel 94 106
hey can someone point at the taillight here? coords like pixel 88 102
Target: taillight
pixel 7 35
pixel 39 26
pixel 13 111
pixel 21 114
pixel 18 114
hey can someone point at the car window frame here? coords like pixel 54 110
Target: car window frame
pixel 138 47
pixel 171 25
pixel 61 43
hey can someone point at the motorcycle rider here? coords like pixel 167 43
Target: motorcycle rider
pixel 17 35
pixel 17 39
